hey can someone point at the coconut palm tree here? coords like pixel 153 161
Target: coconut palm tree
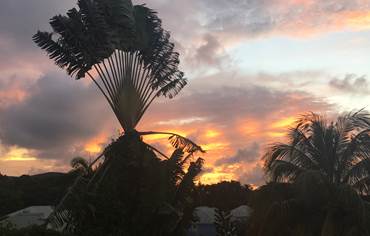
pixel 309 206
pixel 340 150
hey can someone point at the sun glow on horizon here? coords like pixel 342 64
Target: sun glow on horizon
pixel 214 177
pixel 18 154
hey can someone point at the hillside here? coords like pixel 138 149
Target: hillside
pixel 42 189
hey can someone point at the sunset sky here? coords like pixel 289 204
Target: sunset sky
pixel 252 65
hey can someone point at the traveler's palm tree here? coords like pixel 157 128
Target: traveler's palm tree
pixel 340 150
pixel 124 51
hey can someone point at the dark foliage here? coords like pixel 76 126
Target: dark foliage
pixel 8 230
pixel 340 150
pixel 132 192
pixel 24 191
pixel 225 195
pixel 224 224
pixel 310 206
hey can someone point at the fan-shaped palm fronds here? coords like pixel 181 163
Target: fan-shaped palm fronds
pixel 340 150
pixel 122 48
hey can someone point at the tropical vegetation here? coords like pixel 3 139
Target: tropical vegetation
pixel 124 51
pixel 340 150
pixel 318 179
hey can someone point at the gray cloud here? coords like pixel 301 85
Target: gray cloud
pixel 254 175
pixel 57 116
pixel 21 19
pixel 211 53
pixel 254 17
pixel 60 115
pixel 351 83
pixel 244 155
pixel 224 104
pixel 250 16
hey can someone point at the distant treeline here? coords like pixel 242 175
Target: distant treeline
pixel 43 189
pixel 47 189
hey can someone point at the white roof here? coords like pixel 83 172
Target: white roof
pixel 33 215
pixel 45 211
pixel 242 211
pixel 205 215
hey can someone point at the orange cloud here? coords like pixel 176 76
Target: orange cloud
pixel 224 120
pixel 284 123
pixel 359 20
pixel 212 133
pixel 250 127
pixel 18 154
pixel 94 145
pixel 215 177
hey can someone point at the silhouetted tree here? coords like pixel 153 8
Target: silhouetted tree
pixel 309 206
pixel 328 166
pixel 125 52
pixel 151 199
pixel 340 150
pixel 225 195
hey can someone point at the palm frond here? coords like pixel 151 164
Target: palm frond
pixel 119 15
pixel 187 182
pixel 62 56
pixel 72 204
pixel 178 141
pixel 353 150
pixel 174 167
pixel 357 172
pixel 81 165
pixel 284 171
pixel 362 185
pixel 124 51
pixel 287 154
pixel 360 118
pixel 176 156
pixel 185 144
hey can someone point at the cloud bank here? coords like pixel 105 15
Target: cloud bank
pixel 47 119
